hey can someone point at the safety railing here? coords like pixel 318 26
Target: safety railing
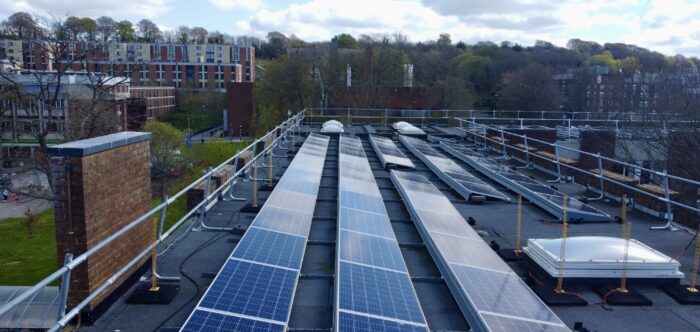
pixel 272 138
pixel 478 133
pixel 616 124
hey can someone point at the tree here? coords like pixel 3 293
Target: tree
pixel 344 40
pixel 183 34
pixel 73 27
pixel 30 222
pixel 149 31
pixel 125 31
pixel 287 84
pixel 22 25
pixel 89 27
pixel 44 99
pixel 166 141
pixel 216 37
pixel 106 28
pixel 199 35
pixel 530 89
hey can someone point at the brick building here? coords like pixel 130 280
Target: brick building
pixel 196 66
pixel 123 105
pixel 240 108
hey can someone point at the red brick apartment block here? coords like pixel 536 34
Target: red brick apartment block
pixel 101 185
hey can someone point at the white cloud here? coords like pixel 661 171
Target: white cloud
pixel 121 9
pixel 249 5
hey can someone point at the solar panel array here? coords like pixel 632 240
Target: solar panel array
pixel 255 287
pixel 373 289
pixel 491 296
pixel 449 171
pixel 539 193
pixel 389 153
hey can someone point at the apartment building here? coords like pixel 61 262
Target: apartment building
pixel 196 66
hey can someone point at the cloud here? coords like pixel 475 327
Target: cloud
pixel 249 5
pixel 94 8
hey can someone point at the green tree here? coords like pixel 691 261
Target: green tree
pixel 287 85
pixel 125 31
pixel 166 141
pixel 530 89
pixel 73 27
pixel 605 59
pixel 89 27
pixel 344 40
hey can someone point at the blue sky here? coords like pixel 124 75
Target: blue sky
pixel 670 27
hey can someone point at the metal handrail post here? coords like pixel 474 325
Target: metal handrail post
pixel 503 144
pixel 558 163
pixel 601 180
pixel 161 220
pixel 527 154
pixel 667 201
pixel 65 285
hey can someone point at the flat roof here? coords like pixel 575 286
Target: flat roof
pixel 197 255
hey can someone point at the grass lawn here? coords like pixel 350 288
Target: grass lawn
pixel 197 120
pixel 27 261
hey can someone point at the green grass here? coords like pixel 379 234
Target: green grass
pixel 196 120
pixel 27 260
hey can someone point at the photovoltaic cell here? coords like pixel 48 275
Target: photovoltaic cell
pixel 539 193
pixel 491 296
pixel 378 292
pixel 374 291
pixel 449 171
pixel 365 222
pixel 502 293
pixel 254 289
pixel 364 249
pixel 271 247
pixel 388 152
pixel 204 321
pixel 357 323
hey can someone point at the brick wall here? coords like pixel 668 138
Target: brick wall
pixel 97 192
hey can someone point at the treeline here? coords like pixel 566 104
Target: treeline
pixel 23 25
pixel 450 75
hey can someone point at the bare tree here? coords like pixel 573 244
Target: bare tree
pixel 199 35
pixel 106 28
pixel 183 34
pixel 149 31
pixel 22 25
pixel 46 101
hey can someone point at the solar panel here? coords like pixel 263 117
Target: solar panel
pixel 373 289
pixel 255 288
pixel 202 320
pixel 389 153
pixel 537 192
pixel 449 171
pixel 491 296
pixel 357 323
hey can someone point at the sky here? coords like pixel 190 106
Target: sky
pixel 669 26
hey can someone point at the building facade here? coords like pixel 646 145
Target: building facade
pixel 123 106
pixel 196 66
